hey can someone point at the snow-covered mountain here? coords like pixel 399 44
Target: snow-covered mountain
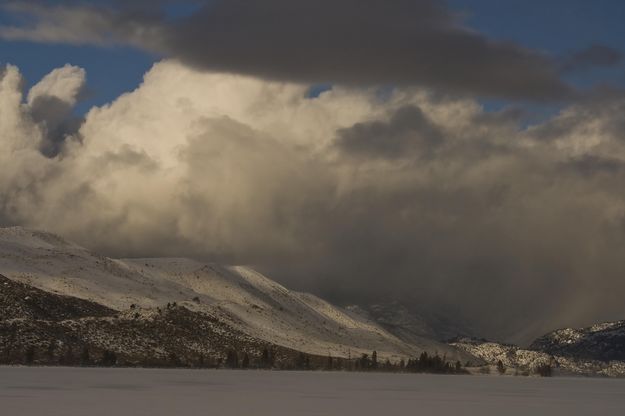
pixel 511 356
pixel 237 296
pixel 518 360
pixel 603 342
pixel 39 327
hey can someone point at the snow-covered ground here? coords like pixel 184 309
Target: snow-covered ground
pixel 140 392
pixel 240 296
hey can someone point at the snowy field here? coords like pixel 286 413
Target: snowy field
pixel 138 392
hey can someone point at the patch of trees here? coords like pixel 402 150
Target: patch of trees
pixel 300 361
pixel 543 370
pixel 434 364
pixel 58 354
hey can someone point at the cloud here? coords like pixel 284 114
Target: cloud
pixel 348 42
pixel 51 103
pixel 408 133
pixel 352 194
pixel 593 56
pixel 81 23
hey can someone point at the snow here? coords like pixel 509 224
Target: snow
pixel 240 296
pixel 140 392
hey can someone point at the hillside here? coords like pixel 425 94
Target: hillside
pixel 20 301
pixel 520 361
pixel 602 342
pixel 236 296
pixel 37 327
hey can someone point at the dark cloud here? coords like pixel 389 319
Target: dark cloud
pixel 593 56
pixel 359 42
pixel 351 42
pixel 408 133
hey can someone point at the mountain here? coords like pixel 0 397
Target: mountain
pixel 44 328
pixel 601 342
pixel 149 293
pixel 522 361
pixel 510 355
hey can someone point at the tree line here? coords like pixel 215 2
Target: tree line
pixel 68 355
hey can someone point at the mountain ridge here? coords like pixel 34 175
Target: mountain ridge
pixel 236 295
pixel 603 341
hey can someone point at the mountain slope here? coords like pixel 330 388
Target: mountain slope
pixel 602 342
pixel 20 301
pixel 527 361
pixel 238 296
pixel 37 327
pixel 510 355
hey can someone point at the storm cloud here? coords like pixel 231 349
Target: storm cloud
pixel 593 56
pixel 348 42
pixel 354 194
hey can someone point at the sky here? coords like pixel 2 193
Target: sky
pixel 463 157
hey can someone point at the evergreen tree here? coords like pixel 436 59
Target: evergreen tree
pixel 173 360
pixel 374 360
pixel 365 362
pixel 85 359
pixel 109 358
pixel 246 361
pixel 232 359
pixel 68 357
pixel 266 360
pixel 500 367
pixel 543 370
pixel 300 361
pixel 50 351
pixel 29 355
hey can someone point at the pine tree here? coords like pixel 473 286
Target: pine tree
pixel 300 362
pixel 374 360
pixel 543 370
pixel 68 356
pixel 266 360
pixel 500 367
pixel 246 361
pixel 50 351
pixel 85 360
pixel 232 359
pixel 365 363
pixel 29 355
pixel 109 359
